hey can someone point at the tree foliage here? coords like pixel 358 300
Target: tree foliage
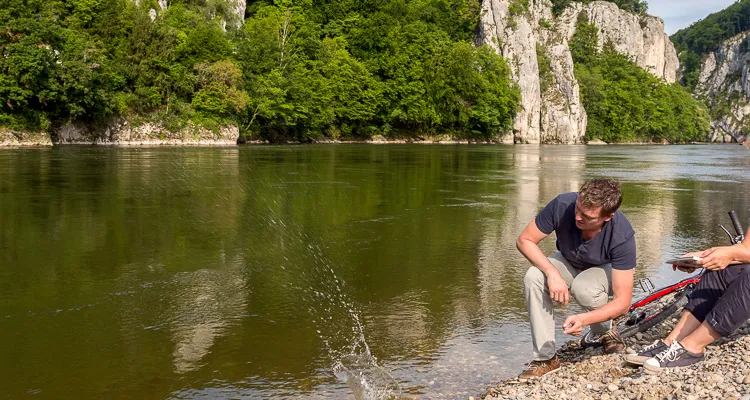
pixel 295 69
pixel 624 103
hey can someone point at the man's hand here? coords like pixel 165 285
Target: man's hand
pixel 558 289
pixel 717 258
pixel 574 325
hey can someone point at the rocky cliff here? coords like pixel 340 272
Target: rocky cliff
pixel 236 10
pixel 551 108
pixel 725 85
pixel 123 133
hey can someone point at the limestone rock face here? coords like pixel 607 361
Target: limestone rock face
pixel 724 82
pixel 10 138
pixel 554 113
pixel 237 7
pixel 122 133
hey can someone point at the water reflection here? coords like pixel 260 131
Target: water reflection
pixel 246 272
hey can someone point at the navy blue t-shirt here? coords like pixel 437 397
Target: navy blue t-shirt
pixel 614 244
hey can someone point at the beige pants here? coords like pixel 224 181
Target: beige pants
pixel 590 288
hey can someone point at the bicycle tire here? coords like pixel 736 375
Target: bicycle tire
pixel 652 314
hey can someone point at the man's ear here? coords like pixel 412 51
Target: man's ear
pixel 609 217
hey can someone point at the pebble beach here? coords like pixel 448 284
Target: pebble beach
pixel 591 375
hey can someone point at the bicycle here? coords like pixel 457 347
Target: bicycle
pixel 659 304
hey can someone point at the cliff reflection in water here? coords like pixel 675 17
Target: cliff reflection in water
pixel 242 272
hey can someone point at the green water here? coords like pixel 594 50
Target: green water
pixel 247 272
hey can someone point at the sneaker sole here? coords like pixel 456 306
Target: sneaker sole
pixel 635 360
pixel 652 368
pixel 524 380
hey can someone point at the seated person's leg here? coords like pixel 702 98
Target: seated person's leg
pixel 729 310
pixel 702 300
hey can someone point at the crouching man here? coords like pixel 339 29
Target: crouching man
pixel 595 259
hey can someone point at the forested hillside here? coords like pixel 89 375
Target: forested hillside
pixel 300 70
pixel 624 103
pixel 295 69
pixel 707 35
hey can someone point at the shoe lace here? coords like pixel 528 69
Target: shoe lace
pixel 652 345
pixel 670 354
pixel 612 335
pixel 536 365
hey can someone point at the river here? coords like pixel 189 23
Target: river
pixel 270 271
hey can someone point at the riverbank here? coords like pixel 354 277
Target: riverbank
pixel 589 374
pixel 127 134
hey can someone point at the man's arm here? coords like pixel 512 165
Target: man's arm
pixel 717 258
pixel 528 245
pixel 622 286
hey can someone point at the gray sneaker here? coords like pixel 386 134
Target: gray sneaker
pixel 647 352
pixel 673 357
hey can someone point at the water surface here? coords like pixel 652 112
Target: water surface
pixel 248 272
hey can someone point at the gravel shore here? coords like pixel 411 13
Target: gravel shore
pixel 589 374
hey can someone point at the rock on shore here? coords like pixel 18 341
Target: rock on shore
pixel 10 138
pixel 589 374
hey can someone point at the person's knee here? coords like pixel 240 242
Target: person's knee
pixel 534 278
pixel 588 294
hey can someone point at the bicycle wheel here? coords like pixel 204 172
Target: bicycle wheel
pixel 651 314
pixel 644 314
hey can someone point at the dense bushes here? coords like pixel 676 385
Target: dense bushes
pixel 624 103
pixel 295 69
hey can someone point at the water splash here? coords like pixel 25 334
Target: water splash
pixel 340 327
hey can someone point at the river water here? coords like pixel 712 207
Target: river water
pixel 281 271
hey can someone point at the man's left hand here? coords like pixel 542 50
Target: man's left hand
pixel 574 325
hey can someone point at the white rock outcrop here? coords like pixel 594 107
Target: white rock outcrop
pixel 557 115
pixel 12 138
pixel 237 8
pixel 723 81
pixel 120 132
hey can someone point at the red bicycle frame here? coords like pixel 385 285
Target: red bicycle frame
pixel 665 291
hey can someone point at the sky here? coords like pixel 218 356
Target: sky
pixel 678 14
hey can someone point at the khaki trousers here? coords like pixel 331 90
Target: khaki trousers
pixel 591 288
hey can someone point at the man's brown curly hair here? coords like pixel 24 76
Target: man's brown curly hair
pixel 604 193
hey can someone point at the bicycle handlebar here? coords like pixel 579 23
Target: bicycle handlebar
pixel 736 224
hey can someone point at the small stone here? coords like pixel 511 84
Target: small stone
pixel 639 336
pixel 715 393
pixel 605 397
pixel 612 387
pixel 677 385
pixel 746 380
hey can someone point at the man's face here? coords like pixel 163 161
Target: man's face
pixel 588 218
